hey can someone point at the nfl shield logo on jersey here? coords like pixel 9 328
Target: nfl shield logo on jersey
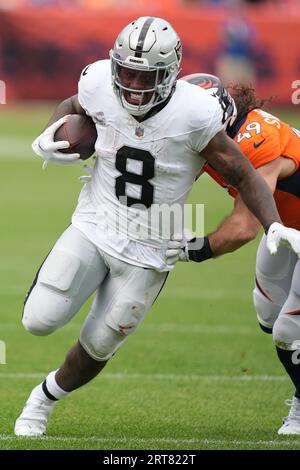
pixel 139 131
pixel 100 118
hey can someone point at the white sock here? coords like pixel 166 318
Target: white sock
pixel 52 389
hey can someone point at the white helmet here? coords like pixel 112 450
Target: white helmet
pixel 145 63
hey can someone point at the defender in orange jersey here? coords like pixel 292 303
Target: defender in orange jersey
pixel 265 139
pixel 273 148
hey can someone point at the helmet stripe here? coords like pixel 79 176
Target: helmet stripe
pixel 142 36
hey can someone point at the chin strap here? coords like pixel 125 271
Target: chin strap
pixel 135 110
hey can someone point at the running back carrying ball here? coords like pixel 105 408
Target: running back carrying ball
pixel 81 132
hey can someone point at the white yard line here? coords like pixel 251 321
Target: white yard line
pixel 156 440
pixel 153 377
pixel 15 148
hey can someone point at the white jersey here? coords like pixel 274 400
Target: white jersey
pixel 140 166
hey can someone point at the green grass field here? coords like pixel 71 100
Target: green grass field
pixel 198 374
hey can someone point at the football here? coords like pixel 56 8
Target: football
pixel 81 132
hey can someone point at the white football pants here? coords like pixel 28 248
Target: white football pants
pixel 71 273
pixel 277 294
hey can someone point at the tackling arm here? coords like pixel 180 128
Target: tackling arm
pixel 241 226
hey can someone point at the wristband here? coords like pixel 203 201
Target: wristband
pixel 202 254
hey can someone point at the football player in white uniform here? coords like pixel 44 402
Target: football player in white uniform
pixel 154 135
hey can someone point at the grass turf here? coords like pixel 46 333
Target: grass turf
pixel 198 374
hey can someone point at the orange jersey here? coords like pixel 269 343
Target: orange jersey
pixel 262 138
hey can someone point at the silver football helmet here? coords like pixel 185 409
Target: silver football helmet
pixel 145 62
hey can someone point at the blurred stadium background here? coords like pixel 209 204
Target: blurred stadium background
pixel 199 374
pixel 43 41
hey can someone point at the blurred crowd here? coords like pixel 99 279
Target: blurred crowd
pixel 229 2
pixel 11 4
pixel 253 2
pixel 237 41
pixel 87 4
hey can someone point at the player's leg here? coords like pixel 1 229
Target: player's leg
pixel 125 297
pixel 286 334
pixel 77 369
pixel 127 294
pixel 272 284
pixel 121 303
pixel 70 274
